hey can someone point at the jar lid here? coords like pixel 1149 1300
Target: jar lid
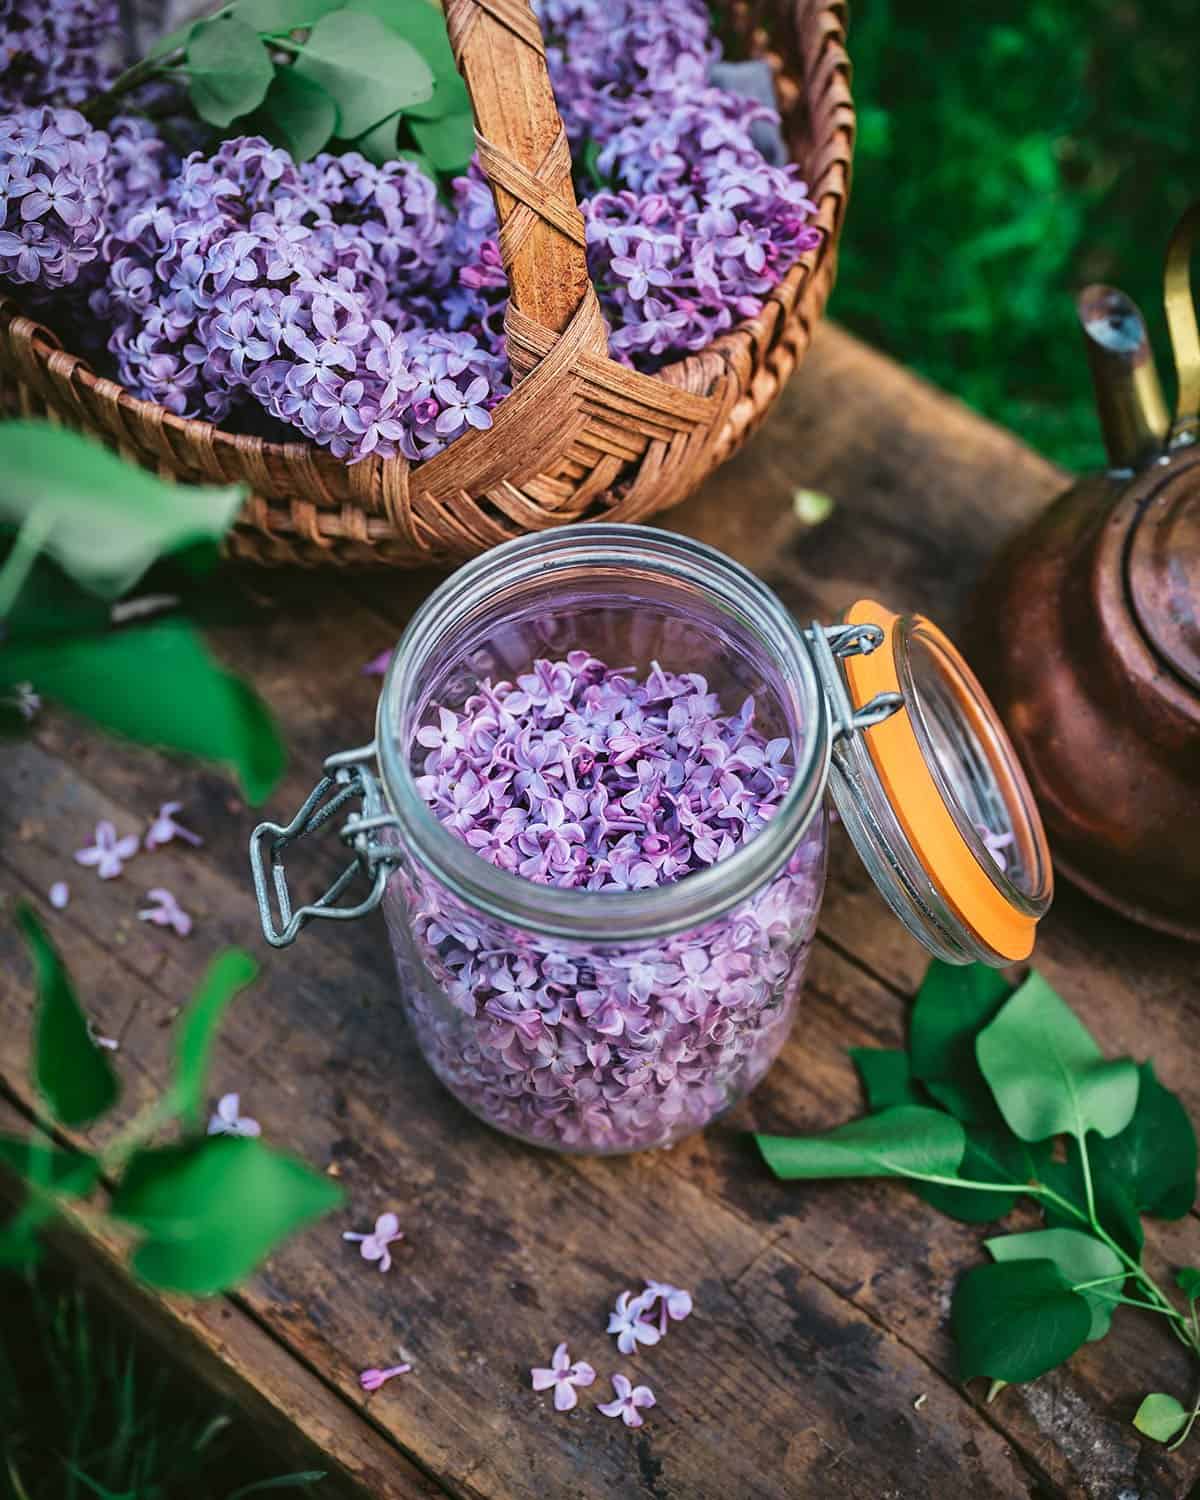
pixel 1162 564
pixel 936 801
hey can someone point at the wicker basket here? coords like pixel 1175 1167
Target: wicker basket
pixel 580 436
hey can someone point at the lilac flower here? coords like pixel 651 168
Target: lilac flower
pixel 996 844
pixel 228 1121
pixel 374 1246
pixel 23 698
pixel 627 1322
pixel 108 853
pixel 564 1377
pixel 59 895
pixel 378 665
pixel 164 828
pixel 109 1043
pixel 672 1302
pixel 629 1402
pixel 462 406
pixel 371 1380
pixel 165 912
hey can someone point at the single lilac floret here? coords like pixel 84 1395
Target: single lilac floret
pixel 229 1121
pixel 374 1246
pixel 109 853
pixel 563 1376
pixel 631 1400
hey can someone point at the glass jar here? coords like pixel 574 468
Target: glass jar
pixel 601 1021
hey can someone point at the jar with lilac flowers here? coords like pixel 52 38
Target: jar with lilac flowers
pixel 594 814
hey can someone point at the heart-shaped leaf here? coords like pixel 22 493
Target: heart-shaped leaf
pixel 1015 1320
pixel 158 685
pixel 303 115
pixel 102 520
pixel 954 1002
pixel 1188 1282
pixel 229 69
pixel 1160 1417
pixel 424 26
pixel 1155 1155
pixel 71 1073
pixel 228 973
pixel 1046 1072
pixel 885 1075
pixel 366 69
pixel 274 17
pixel 902 1142
pixel 1080 1257
pixel 212 1208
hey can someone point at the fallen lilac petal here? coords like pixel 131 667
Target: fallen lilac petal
pixel 164 828
pixel 108 853
pixel 371 1380
pixel 378 665
pixel 673 1302
pixel 229 1121
pixel 374 1246
pixel 627 1322
pixel 60 894
pixel 563 1376
pixel 629 1399
pixel 110 1043
pixel 165 912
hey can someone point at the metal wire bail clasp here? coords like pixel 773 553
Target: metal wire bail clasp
pixel 829 641
pixel 347 776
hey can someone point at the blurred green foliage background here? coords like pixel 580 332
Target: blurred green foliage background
pixel 1007 155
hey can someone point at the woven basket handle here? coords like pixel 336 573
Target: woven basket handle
pixel 524 152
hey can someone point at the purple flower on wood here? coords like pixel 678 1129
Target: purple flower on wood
pixel 108 853
pixel 163 828
pixel 374 1246
pixel 673 1302
pixel 631 1400
pixel 563 1376
pixel 59 895
pixel 165 911
pixel 371 1380
pixel 228 1121
pixel 627 1321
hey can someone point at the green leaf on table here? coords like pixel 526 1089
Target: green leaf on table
pixel 1160 1417
pixel 1080 1257
pixel 102 521
pixel 1046 1072
pixel 1115 1209
pixel 70 1072
pixel 448 142
pixel 73 1173
pixel 990 1156
pixel 158 685
pixel 1015 1320
pixel 366 69
pixel 302 113
pixel 902 1142
pixel 228 973
pixel 423 25
pixel 212 1209
pixel 1188 1282
pixel 953 1003
pixel 229 69
pixel 885 1075
pixel 1155 1155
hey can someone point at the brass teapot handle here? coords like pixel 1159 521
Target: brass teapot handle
pixel 1181 322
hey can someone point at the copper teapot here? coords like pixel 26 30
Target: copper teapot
pixel 1086 631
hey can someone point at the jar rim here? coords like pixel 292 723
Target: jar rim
pixel 606 916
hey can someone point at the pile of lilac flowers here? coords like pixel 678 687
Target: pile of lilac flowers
pixel 348 302
pixel 581 776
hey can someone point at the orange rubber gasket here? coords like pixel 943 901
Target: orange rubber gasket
pixel 920 809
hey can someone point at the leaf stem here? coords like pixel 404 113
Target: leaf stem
pixel 25 550
pixel 1182 1438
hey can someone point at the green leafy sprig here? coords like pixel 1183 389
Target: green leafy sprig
pixel 969 1115
pixel 377 75
pixel 78 529
pixel 204 1210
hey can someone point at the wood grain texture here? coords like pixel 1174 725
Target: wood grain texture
pixel 821 1309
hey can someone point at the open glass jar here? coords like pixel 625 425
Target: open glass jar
pixel 603 1021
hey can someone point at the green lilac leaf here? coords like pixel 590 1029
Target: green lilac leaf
pixel 1188 1282
pixel 229 69
pixel 1080 1257
pixel 424 26
pixel 212 1209
pixel 1015 1320
pixel 1115 1209
pixel 19 1249
pixel 302 113
pixel 990 1156
pixel 448 143
pixel 70 1072
pixel 228 973
pixel 50 604
pixel 901 1142
pixel 1160 1417
pixel 380 144
pixel 277 16
pixel 157 684
pixel 953 1003
pixel 885 1075
pixel 1046 1072
pixel 108 520
pixel 172 41
pixel 367 69
pixel 69 1172
pixel 1155 1155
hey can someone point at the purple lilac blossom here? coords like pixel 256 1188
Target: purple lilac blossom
pixel 582 776
pixel 53 196
pixel 56 51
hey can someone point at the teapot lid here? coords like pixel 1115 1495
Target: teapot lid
pixel 1162 570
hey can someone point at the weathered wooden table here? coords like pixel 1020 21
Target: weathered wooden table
pixel 818 1361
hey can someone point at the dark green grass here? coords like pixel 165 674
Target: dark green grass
pixel 85 1414
pixel 1007 155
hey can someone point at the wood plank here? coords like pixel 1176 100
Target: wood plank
pixel 923 492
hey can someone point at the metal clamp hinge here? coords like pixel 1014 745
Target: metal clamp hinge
pixel 347 777
pixel 828 642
